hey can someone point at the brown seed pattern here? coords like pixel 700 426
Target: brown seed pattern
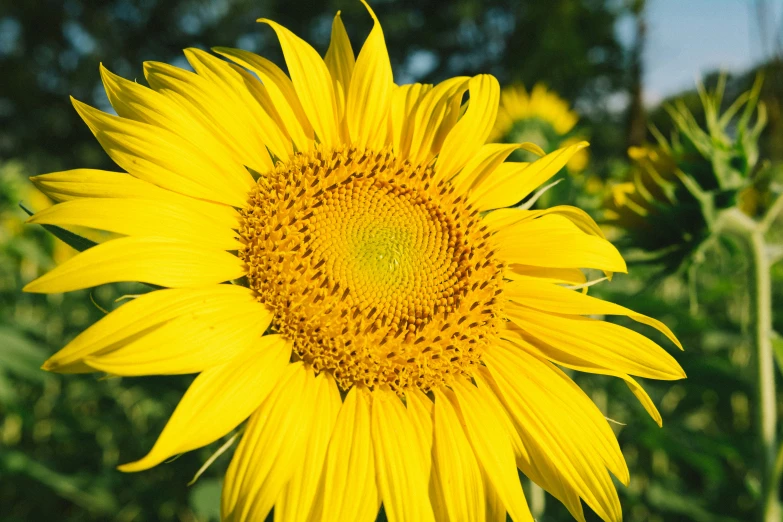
pixel 377 273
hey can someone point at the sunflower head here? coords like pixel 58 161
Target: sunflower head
pixel 379 273
pixel 674 190
pixel 344 264
pixel 539 116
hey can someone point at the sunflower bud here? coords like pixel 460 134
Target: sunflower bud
pixel 667 205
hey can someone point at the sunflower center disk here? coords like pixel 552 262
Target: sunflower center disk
pixel 378 274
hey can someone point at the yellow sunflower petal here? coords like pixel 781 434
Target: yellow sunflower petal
pixel 134 101
pixel 370 90
pixel 511 182
pixel 607 344
pixel 92 183
pixel 401 477
pixel 420 413
pixel 143 314
pixel 218 400
pixel 312 82
pixel 643 398
pixel 462 487
pixel 154 260
pixel 471 131
pixel 350 492
pixel 89 183
pixel 578 217
pixel 483 163
pixel 577 361
pixel 270 449
pixel 507 217
pixel 435 115
pixel 251 108
pixel 140 217
pixel 483 381
pixel 299 497
pixel 504 218
pixel 281 92
pixel 552 298
pixel 187 344
pixel 560 427
pixel 555 242
pixel 340 61
pixel 495 191
pixel 209 103
pixel 405 100
pixel 572 276
pixel 164 159
pixel 541 471
pixel 436 496
pixel 493 449
pixel 495 510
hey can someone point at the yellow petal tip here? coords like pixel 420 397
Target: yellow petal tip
pixel 81 107
pixel 372 13
pixel 32 287
pixel 146 462
pixel 192 51
pixel 133 467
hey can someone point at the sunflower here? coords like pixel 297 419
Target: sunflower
pixel 340 263
pixel 540 116
pixel 668 204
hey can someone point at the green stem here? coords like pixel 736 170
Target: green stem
pixel 751 234
pixel 766 368
pixel 772 214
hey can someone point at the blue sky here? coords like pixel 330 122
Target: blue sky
pixel 687 38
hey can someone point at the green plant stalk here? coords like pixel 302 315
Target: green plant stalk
pixel 537 500
pixel 752 235
pixel 766 367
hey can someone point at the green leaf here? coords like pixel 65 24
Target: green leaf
pixel 69 238
pixel 95 497
pixel 20 356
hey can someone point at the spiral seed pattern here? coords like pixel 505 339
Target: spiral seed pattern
pixel 377 273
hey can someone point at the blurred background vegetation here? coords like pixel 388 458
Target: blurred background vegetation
pixel 62 436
